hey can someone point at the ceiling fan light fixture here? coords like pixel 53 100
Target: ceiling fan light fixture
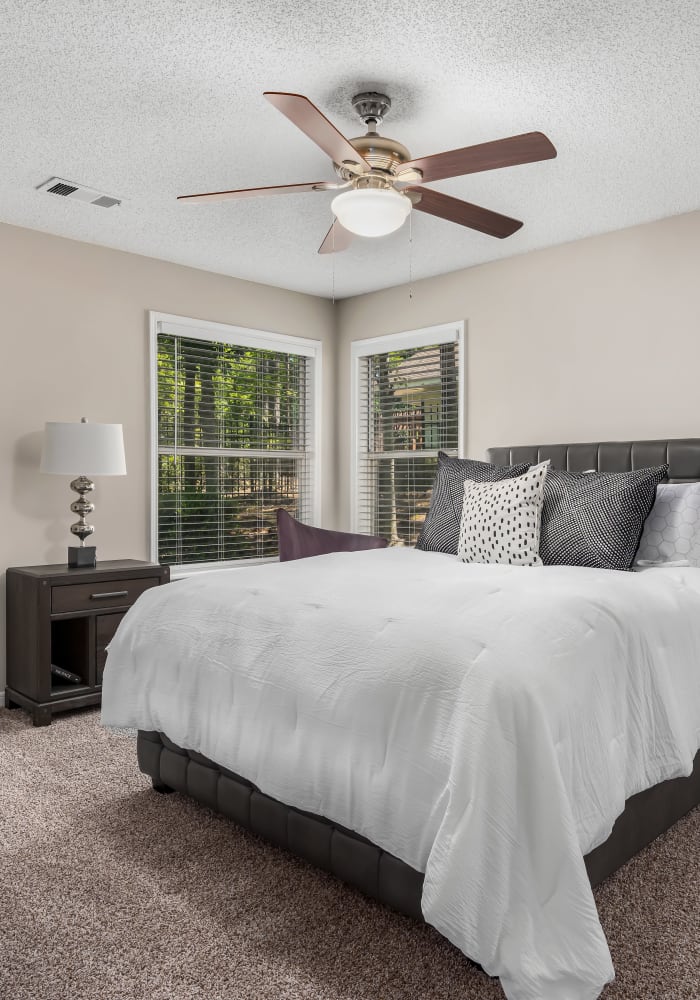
pixel 371 211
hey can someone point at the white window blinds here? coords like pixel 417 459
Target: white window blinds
pixel 408 408
pixel 234 443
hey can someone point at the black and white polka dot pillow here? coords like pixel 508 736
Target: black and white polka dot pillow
pixel 501 521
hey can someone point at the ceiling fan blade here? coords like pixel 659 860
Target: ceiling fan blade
pixel 527 148
pixel 465 214
pixel 254 192
pixel 337 238
pixel 313 123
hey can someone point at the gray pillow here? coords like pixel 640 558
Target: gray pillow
pixel 596 519
pixel 440 531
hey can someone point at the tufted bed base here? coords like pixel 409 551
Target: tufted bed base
pixel 326 845
pixel 358 861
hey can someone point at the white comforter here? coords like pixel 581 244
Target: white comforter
pixel 485 724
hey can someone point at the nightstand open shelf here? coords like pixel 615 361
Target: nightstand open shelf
pixel 67 617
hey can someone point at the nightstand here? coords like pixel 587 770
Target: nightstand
pixel 67 617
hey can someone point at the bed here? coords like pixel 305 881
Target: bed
pixel 405 829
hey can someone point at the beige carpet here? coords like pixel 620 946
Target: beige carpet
pixel 111 892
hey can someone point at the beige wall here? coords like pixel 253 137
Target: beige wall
pixel 75 342
pixel 593 340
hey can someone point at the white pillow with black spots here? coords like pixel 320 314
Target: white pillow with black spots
pixel 501 521
pixel 671 533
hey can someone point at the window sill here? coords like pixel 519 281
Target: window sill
pixel 183 572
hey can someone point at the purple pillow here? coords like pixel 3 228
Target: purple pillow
pixel 298 541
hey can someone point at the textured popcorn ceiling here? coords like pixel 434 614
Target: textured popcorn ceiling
pixel 148 100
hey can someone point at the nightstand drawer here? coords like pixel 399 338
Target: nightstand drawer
pixel 93 596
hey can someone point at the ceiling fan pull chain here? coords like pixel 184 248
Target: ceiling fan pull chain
pixel 333 261
pixel 410 256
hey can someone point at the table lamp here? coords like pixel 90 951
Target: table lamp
pixel 92 450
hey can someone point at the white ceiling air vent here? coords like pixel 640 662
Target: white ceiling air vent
pixel 77 192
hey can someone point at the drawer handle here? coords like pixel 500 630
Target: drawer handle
pixel 111 593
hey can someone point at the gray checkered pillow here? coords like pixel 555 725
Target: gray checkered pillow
pixel 596 519
pixel 441 527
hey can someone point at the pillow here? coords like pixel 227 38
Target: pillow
pixel 596 519
pixel 672 530
pixel 299 541
pixel 440 531
pixel 501 521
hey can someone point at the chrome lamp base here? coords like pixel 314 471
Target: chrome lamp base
pixel 82 555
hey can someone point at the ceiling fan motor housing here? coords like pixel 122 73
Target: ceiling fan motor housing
pixel 382 154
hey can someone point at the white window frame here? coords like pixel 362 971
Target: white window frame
pixel 239 336
pixel 443 333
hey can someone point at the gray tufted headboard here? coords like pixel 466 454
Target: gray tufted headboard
pixel 682 455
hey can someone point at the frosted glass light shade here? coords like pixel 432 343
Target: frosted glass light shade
pixel 83 449
pixel 371 211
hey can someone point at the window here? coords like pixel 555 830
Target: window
pixel 235 436
pixel 407 405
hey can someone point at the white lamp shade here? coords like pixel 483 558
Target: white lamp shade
pixel 371 211
pixel 83 449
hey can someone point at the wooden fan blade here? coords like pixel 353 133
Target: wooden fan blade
pixel 254 192
pixel 465 214
pixel 337 238
pixel 313 123
pixel 527 148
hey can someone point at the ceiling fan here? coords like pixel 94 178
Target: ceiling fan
pixel 379 182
